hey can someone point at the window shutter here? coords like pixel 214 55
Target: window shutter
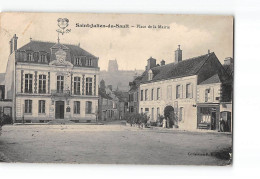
pixel 191 92
pixel 182 91
pixel 86 107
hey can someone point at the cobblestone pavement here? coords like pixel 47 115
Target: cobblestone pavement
pixel 112 144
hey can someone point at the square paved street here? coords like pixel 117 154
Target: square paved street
pixel 111 144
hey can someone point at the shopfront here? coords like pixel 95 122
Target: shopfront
pixel 208 116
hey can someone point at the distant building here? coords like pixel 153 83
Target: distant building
pixel 112 66
pixel 119 79
pixel 192 90
pixel 112 104
pixel 52 81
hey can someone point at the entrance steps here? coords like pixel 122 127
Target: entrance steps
pixel 61 121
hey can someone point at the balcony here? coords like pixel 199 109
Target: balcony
pixel 60 93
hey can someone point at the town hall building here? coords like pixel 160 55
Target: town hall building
pixel 52 81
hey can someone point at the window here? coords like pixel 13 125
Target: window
pixel 178 91
pixel 207 93
pixel 158 93
pixel 152 94
pixel 41 106
pixel 77 61
pixel 28 106
pixel 88 107
pixel 131 97
pixel 169 92
pixel 29 57
pixel 146 95
pixel 42 58
pixel 89 62
pixel 181 114
pixel 146 110
pixel 76 107
pixel 188 91
pixel 28 83
pixel 60 84
pixel 42 83
pixel 88 86
pixel 150 75
pixel 142 110
pixel 77 85
pixel 142 95
pixel 158 112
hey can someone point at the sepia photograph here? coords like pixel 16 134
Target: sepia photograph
pixel 105 88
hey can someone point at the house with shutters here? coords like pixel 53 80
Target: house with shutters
pixel 51 81
pixel 192 89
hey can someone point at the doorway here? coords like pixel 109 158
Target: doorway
pixel 59 110
pixel 213 120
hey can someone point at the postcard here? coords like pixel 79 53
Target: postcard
pixel 151 89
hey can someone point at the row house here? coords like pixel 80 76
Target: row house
pixel 191 89
pixel 112 104
pixel 50 81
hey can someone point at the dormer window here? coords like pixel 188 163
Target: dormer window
pixel 29 57
pixel 42 58
pixel 89 62
pixel 77 62
pixel 150 75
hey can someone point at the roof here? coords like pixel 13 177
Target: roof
pixel 104 95
pixel 2 78
pixel 184 68
pixel 46 46
pixel 211 80
pixel 122 96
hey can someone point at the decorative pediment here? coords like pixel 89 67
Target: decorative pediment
pixel 61 59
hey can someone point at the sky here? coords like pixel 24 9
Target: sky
pixel 131 47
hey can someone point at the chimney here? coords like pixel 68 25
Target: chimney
pixel 208 51
pixel 151 62
pixel 178 55
pixel 228 61
pixel 11 46
pixel 15 42
pixel 162 62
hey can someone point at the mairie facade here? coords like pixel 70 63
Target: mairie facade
pixel 52 81
pixel 195 90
